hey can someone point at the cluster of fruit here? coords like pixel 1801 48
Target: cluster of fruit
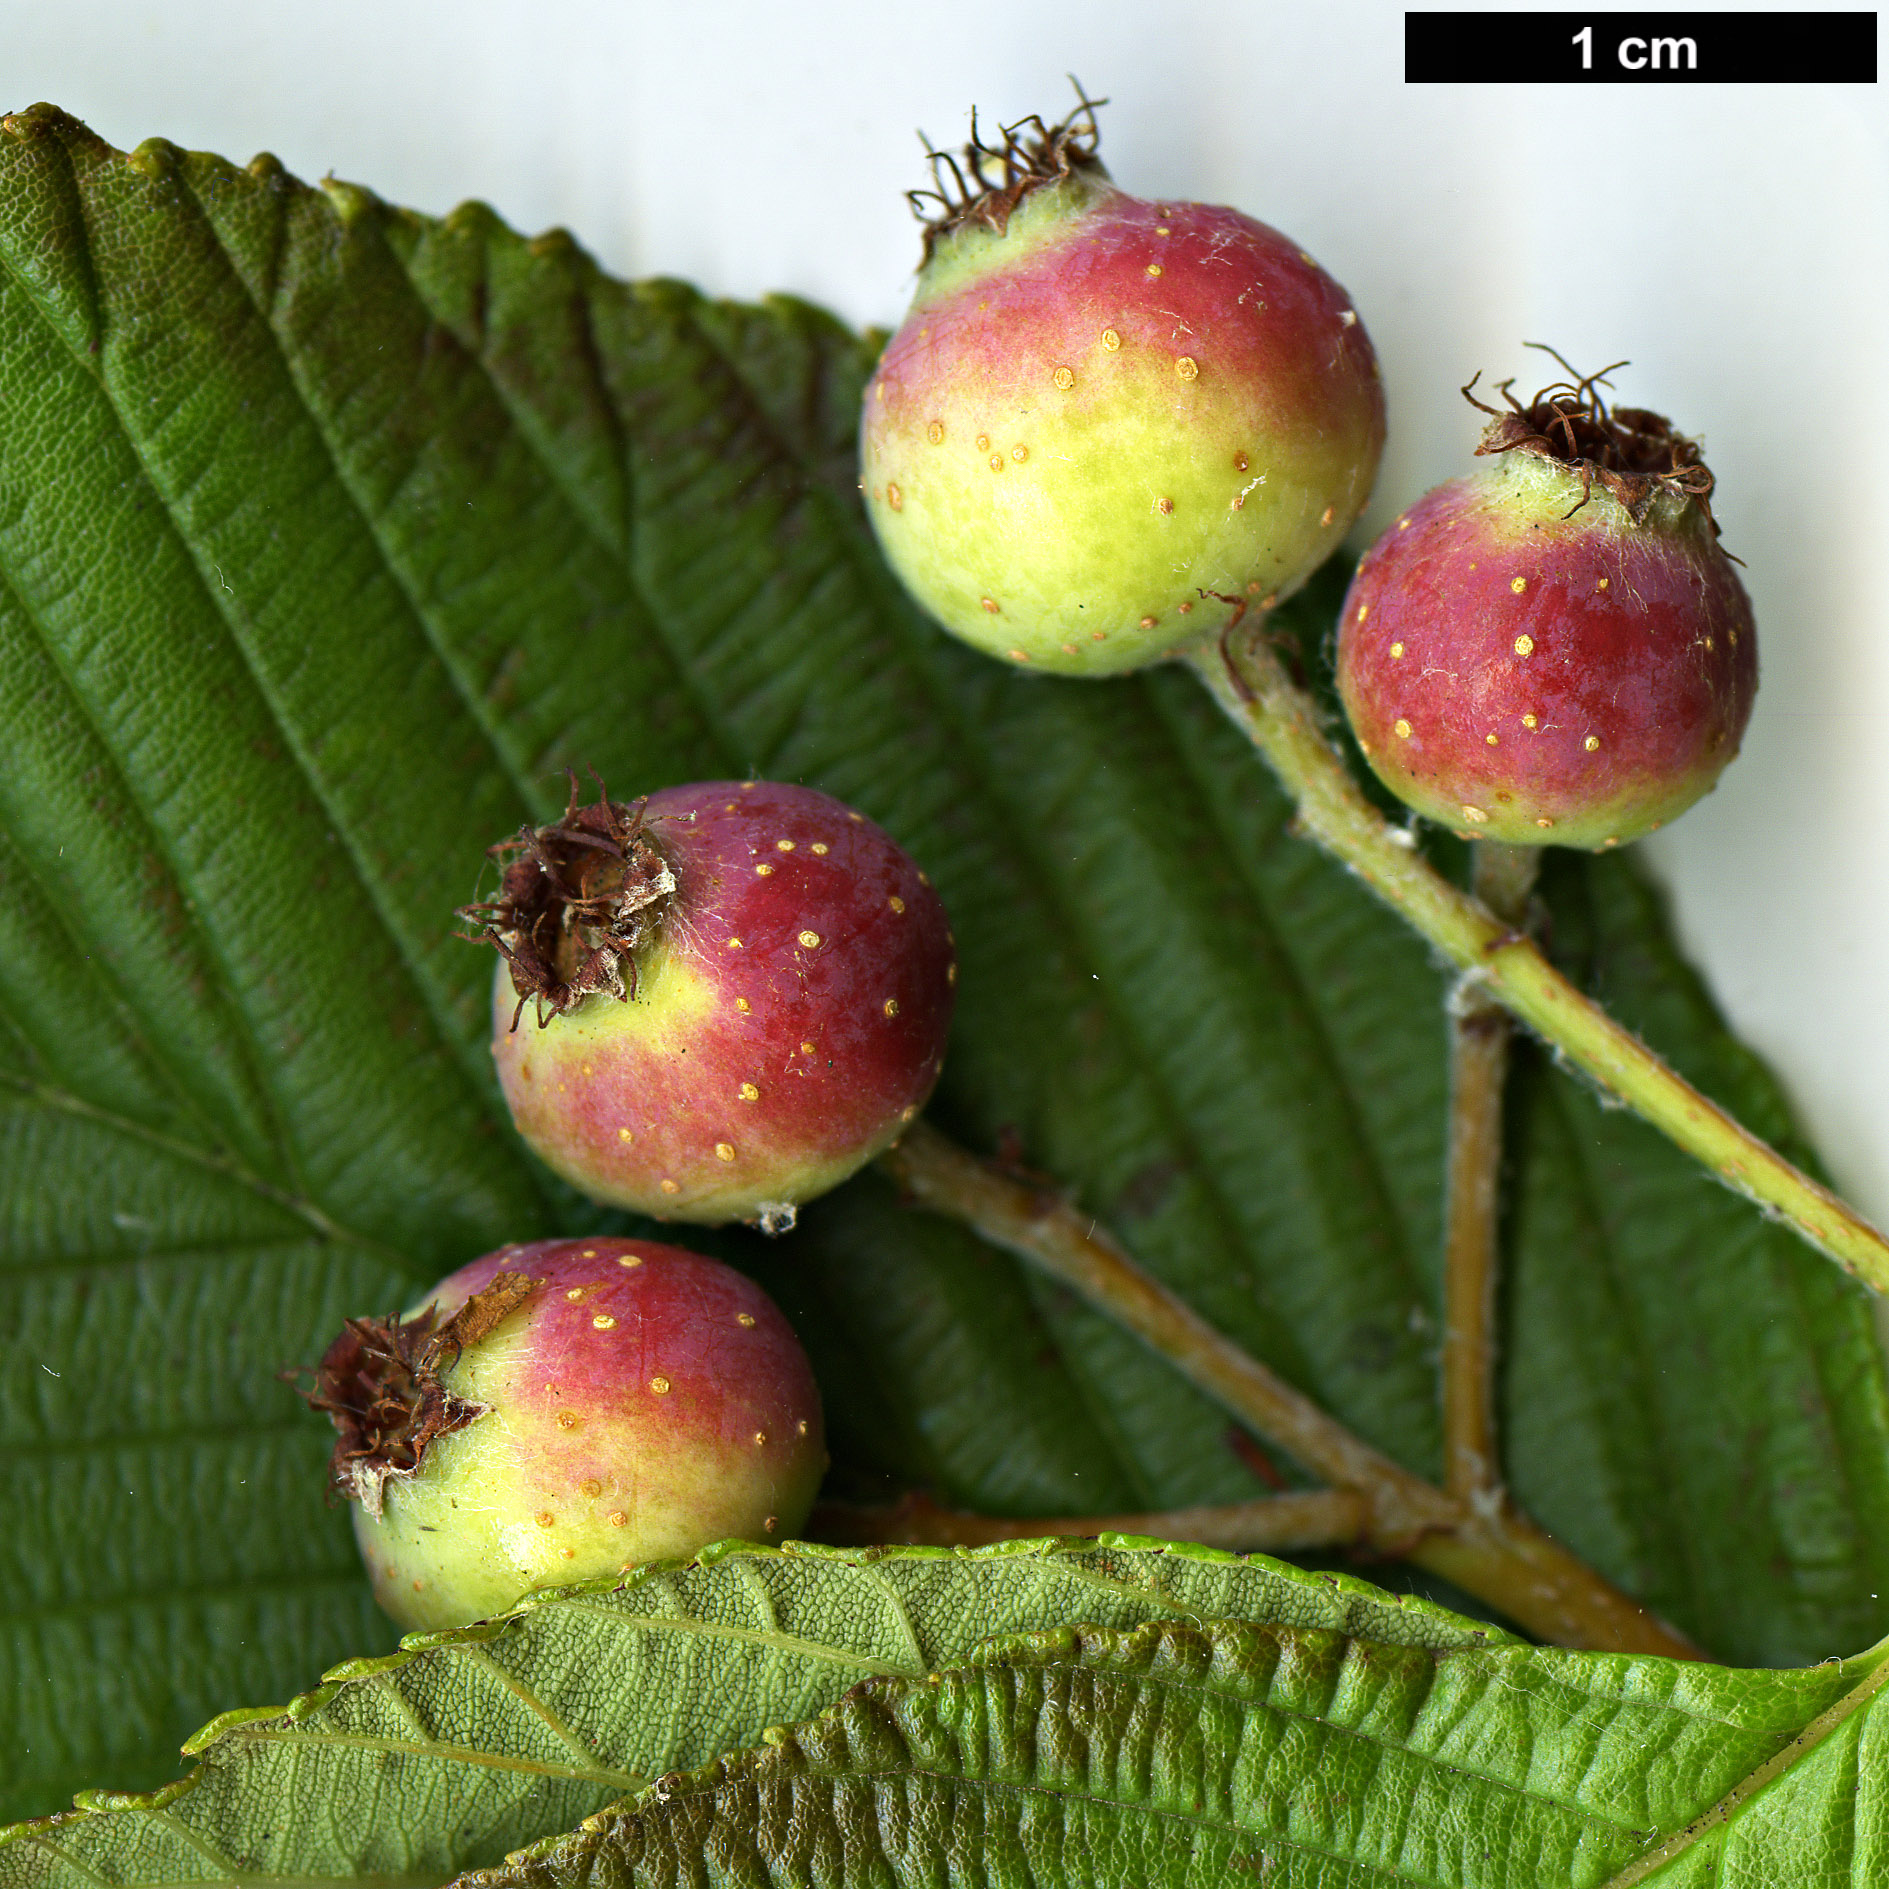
pixel 711 1006
pixel 1107 430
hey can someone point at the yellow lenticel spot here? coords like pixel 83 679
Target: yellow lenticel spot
pixel 1187 367
pixel 1528 721
pixel 1240 462
pixel 806 1049
pixel 1397 652
pixel 1111 340
pixel 1524 646
pixel 618 1519
pixel 724 1151
pixel 1064 378
pixel 951 972
pixel 742 1004
pixel 1164 506
pixel 660 1385
pixel 576 1292
pixel 935 432
pixel 763 869
pixel 1491 740
pixel 760 1438
pixel 896 903
pixel 604 1322
pixel 591 1487
pixel 810 939
pixel 749 1093
pixel 589 1252
pixel 1518 585
pixel 1019 453
pixel 1148 623
pixel 569 1554
pixel 1402 729
pixel 734 944
pixel 1475 816
pixel 671 1187
pixel 1364 610
pixel 990 604
pixel 1591 743
pixel 567 1420
pixel 745 1320
pixel 783 846
pixel 892 1006
pixel 801 1427
pixel 629 1259
pixel 546 1519
pixel 1326 516
pixel 1544 823
pixel 895 498
pixel 983 442
pixel 996 462
pixel 1154 268
pixel 1600 583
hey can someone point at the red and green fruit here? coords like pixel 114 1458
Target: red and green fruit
pixel 557 1411
pixel 1101 411
pixel 718 1003
pixel 1555 649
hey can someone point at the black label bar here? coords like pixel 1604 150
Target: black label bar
pixel 1639 48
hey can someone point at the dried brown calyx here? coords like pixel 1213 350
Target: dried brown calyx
pixel 578 900
pixel 984 183
pixel 1628 452
pixel 380 1385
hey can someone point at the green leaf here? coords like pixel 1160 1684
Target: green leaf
pixel 405 1769
pixel 329 535
pixel 1186 1753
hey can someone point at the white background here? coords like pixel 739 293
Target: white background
pixel 1733 241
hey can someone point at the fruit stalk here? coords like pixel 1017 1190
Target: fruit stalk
pixel 1295 1522
pixel 1504 878
pixel 1497 1555
pixel 1246 678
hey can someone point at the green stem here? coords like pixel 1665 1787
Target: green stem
pixel 1247 679
pixel 1487 1549
pixel 1504 879
pixel 1302 1520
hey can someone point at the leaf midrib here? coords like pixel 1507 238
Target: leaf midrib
pixel 1723 1815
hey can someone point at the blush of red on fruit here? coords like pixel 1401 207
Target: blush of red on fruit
pixel 1526 656
pixel 788 1017
pixel 640 1402
pixel 1102 412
